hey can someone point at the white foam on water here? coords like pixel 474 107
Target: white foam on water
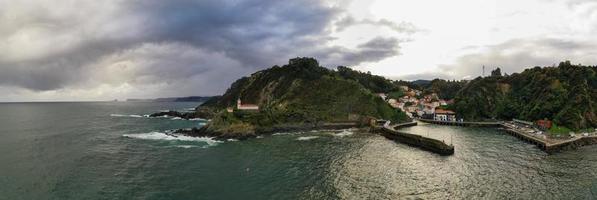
pixel 186 146
pixel 197 119
pixel 121 115
pixel 232 140
pixel 344 133
pixel 287 133
pixel 164 136
pixel 307 138
pixel 259 137
pixel 176 118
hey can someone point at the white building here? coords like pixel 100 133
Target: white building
pixel 241 106
pixel 444 115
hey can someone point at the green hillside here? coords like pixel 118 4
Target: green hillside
pixel 301 92
pixel 566 94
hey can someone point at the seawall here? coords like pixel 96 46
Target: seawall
pixel 419 141
pixel 553 147
pixel 406 124
pixel 455 123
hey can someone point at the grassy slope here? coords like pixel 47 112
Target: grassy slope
pixel 301 92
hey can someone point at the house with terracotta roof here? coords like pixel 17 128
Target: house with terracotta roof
pixel 241 106
pixel 444 115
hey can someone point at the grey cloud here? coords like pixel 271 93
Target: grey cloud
pixel 402 27
pixel 423 76
pixel 514 56
pixel 76 44
pixel 374 50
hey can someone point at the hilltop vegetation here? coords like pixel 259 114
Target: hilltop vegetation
pixel 301 92
pixel 566 94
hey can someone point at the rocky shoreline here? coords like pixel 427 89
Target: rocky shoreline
pixel 205 131
pixel 185 115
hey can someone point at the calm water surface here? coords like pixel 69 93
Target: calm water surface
pixel 109 151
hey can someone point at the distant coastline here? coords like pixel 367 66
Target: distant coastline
pixel 173 99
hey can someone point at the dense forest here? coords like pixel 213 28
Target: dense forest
pixel 566 94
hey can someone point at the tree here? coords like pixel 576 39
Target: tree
pixel 497 72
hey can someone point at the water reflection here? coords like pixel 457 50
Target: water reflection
pixel 487 164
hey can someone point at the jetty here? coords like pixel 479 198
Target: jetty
pixel 457 123
pixel 548 145
pixel 527 134
pixel 425 143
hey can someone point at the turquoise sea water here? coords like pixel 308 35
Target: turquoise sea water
pixel 109 151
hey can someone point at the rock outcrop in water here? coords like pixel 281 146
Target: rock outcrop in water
pixel 203 114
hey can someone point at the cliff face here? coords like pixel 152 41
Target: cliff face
pixel 566 94
pixel 299 92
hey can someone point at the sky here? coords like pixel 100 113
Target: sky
pixel 85 50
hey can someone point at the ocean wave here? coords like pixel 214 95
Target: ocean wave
pixel 344 133
pixel 169 136
pixel 287 133
pixel 307 138
pixel 201 120
pixel 121 115
pixel 186 146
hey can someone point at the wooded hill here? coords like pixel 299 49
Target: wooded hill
pixel 303 92
pixel 566 94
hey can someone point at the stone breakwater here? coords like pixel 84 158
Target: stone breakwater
pixel 429 144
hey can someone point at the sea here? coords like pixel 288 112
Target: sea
pixel 112 150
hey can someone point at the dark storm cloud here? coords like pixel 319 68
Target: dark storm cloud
pixel 75 44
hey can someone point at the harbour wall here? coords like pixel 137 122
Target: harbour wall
pixel 419 141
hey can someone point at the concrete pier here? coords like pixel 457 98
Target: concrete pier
pixel 552 146
pixel 419 141
pixel 549 146
pixel 456 123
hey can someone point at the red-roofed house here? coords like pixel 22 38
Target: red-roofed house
pixel 241 106
pixel 444 115
pixel 544 124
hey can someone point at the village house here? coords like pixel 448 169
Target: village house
pixel 543 124
pixel 411 109
pixel 404 88
pixel 442 102
pixel 444 115
pixel 382 95
pixel 411 93
pixel 241 106
pixel 429 110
